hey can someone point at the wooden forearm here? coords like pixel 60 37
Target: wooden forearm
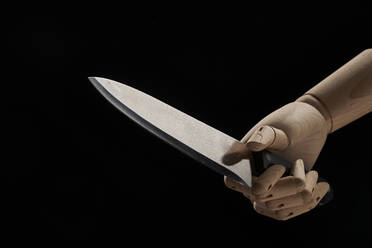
pixel 346 94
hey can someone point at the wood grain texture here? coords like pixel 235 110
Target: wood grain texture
pixel 274 209
pixel 346 94
pixel 267 137
pixel 267 179
pixel 311 181
pixel 305 128
pixel 298 170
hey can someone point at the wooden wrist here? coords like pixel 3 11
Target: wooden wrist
pixel 346 94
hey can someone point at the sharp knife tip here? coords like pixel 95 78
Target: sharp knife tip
pixel 94 80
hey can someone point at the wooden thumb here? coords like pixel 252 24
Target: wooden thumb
pixel 237 152
pixel 267 137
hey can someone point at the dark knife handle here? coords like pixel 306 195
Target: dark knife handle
pixel 264 159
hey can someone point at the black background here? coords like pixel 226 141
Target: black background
pixel 76 168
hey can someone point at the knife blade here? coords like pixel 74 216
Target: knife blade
pixel 189 135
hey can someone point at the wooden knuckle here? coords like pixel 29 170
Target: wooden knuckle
pixel 265 182
pixel 292 212
pixel 272 205
pixel 264 198
pixel 290 185
pixel 281 141
pixel 307 196
pixel 261 138
pixel 275 205
pixel 320 191
pixel 284 214
pixel 286 202
pixel 300 184
pixel 274 214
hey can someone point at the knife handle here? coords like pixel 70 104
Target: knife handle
pixel 264 159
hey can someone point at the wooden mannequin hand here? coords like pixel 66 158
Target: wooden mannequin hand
pixel 297 133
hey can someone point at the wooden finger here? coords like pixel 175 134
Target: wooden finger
pixel 284 214
pixel 281 140
pixel 232 184
pixel 320 191
pixel 261 139
pixel 267 137
pixel 298 170
pixel 264 211
pixel 289 213
pixel 275 214
pixel 286 202
pixel 285 186
pixel 237 152
pixel 267 179
pixel 310 183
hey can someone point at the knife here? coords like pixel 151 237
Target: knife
pixel 196 139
